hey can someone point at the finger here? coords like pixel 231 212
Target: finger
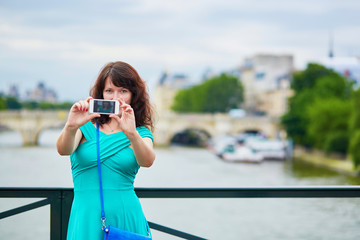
pixel 87 103
pixel 128 111
pixel 128 108
pixel 116 117
pixel 121 100
pixel 124 105
pixel 88 99
pixel 92 116
pixel 77 106
pixel 84 105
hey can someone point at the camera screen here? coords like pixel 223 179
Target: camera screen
pixel 104 106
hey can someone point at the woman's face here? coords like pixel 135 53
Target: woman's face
pixel 112 92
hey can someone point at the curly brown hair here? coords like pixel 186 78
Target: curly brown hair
pixel 124 75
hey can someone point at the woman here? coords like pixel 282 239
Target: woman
pixel 126 143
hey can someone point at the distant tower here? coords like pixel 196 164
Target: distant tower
pixel 331 46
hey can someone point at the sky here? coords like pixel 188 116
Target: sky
pixel 66 43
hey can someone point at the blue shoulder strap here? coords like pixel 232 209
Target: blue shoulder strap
pixel 100 178
pixel 106 229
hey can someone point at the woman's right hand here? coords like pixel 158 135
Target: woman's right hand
pixel 79 115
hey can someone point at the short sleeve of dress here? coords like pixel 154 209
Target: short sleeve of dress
pixel 88 130
pixel 144 132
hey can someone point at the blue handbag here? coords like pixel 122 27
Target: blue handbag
pixel 113 233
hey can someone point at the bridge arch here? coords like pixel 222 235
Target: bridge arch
pixel 215 124
pixel 191 137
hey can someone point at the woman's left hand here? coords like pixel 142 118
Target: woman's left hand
pixel 143 147
pixel 126 118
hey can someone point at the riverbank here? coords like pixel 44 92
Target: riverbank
pixel 318 158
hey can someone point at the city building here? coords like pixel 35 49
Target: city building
pixel 266 80
pixel 166 89
pixel 41 94
pixel 14 91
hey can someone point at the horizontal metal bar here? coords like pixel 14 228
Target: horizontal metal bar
pixel 24 208
pixel 244 192
pixel 252 192
pixel 25 192
pixel 174 232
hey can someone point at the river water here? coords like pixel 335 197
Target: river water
pixel 190 167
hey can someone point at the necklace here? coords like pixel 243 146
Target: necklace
pixel 112 130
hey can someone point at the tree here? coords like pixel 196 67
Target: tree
pixel 354 126
pixel 2 103
pixel 328 124
pixel 315 83
pixel 307 79
pixel 218 94
pixel 296 120
pixel 354 148
pixel 182 101
pixel 30 105
pixel 355 116
pixel 13 103
pixel 223 93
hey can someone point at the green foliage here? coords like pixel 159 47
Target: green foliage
pixel 354 149
pixel 54 106
pixel 354 125
pixel 30 105
pixel 182 101
pixel 64 105
pixel 218 94
pixel 355 117
pixel 46 106
pixel 307 79
pixel 12 103
pixel 336 142
pixel 327 116
pixel 316 84
pixel 331 86
pixel 2 103
pixel 296 120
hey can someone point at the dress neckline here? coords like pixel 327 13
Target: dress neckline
pixel 103 132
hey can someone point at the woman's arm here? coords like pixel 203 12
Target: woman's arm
pixel 71 135
pixel 68 140
pixel 143 149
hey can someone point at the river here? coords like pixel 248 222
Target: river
pixel 190 167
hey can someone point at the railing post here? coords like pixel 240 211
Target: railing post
pixel 55 215
pixel 67 198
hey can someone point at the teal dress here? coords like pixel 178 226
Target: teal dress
pixel 118 167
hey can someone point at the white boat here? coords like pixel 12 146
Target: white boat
pixel 269 148
pixel 241 153
pixel 219 144
pixel 248 148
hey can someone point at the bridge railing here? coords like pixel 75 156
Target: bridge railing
pixel 60 200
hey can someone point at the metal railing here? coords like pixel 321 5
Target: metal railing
pixel 60 200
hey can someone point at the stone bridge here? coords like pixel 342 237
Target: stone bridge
pixel 31 123
pixel 214 125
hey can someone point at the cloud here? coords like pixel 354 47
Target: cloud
pixel 75 39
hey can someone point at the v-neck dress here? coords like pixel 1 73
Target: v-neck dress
pixel 119 168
